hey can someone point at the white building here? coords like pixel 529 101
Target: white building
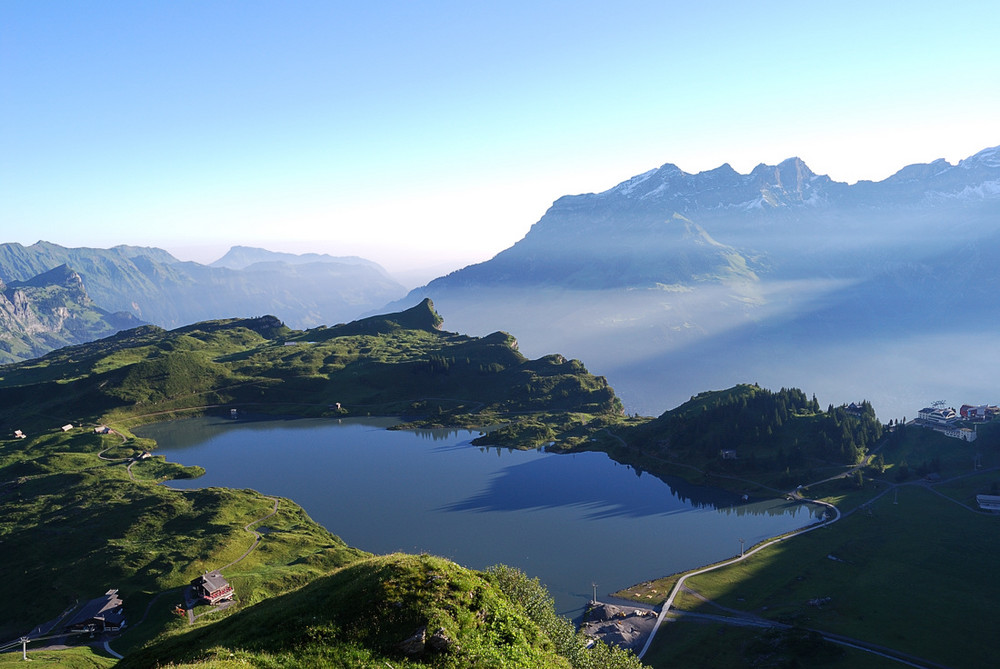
pixel 963 433
pixel 988 502
pixel 938 416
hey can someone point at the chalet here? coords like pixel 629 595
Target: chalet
pixel 855 409
pixel 212 588
pixel 104 614
pixel 102 429
pixel 727 454
pixel 19 435
pixel 67 427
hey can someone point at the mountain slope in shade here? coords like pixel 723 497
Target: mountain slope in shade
pixel 671 282
pixel 50 311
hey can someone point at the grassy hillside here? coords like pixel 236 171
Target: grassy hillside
pixel 115 527
pixel 912 572
pixel 398 364
pixel 776 438
pixel 907 568
pixel 395 610
pixel 72 490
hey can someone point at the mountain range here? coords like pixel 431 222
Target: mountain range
pixel 140 284
pixel 672 282
pixel 668 283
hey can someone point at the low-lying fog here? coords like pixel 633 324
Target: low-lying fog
pixel 657 348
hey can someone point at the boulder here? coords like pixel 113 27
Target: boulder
pixel 439 641
pixel 414 645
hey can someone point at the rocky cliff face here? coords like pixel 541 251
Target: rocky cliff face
pixel 49 311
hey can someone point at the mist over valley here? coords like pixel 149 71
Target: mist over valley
pixel 670 283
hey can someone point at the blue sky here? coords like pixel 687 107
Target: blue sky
pixel 435 134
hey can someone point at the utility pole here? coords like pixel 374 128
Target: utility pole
pixel 24 647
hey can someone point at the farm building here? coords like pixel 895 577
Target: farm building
pixel 212 587
pixel 103 614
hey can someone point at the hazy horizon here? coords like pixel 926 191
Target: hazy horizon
pixel 423 137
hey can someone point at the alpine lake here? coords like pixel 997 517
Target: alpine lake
pixel 571 520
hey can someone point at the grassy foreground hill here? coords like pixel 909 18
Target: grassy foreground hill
pixel 82 513
pixel 417 611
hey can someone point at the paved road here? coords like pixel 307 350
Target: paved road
pixel 680 582
pixel 746 620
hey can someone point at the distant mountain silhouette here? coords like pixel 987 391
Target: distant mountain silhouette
pixel 671 283
pixel 241 257
pixel 151 285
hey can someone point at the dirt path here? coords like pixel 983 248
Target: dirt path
pixel 257 535
pixel 190 602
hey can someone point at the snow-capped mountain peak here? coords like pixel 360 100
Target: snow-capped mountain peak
pixel 985 158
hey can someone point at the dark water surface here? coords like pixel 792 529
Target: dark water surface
pixel 570 520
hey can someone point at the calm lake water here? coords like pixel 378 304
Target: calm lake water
pixel 570 520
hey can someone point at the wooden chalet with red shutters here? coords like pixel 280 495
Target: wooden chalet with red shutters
pixel 212 588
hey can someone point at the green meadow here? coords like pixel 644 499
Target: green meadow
pixel 909 568
pixel 83 513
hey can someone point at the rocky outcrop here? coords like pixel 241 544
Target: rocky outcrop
pixel 418 643
pixel 627 627
pixel 49 311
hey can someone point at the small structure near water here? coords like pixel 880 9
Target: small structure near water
pixel 624 626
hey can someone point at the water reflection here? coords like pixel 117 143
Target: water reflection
pixel 567 519
pixel 440 434
pixel 560 481
pixel 567 481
